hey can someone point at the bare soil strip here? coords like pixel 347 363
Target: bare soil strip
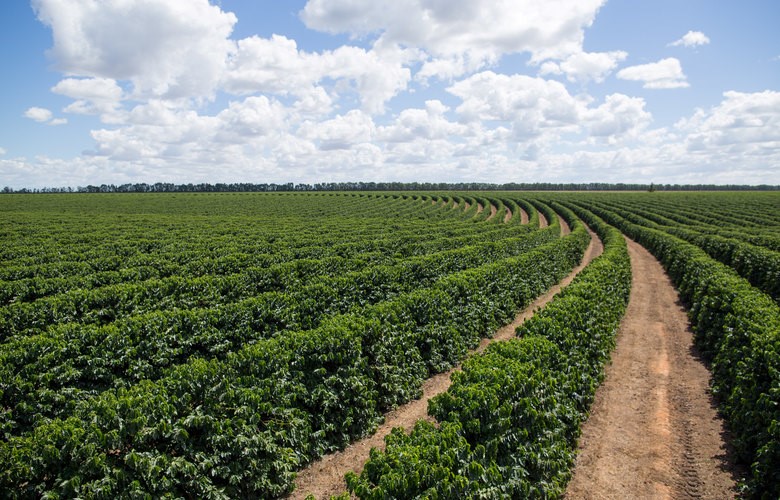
pixel 654 431
pixel 523 217
pixel 493 211
pixel 565 229
pixel 480 208
pixel 543 220
pixel 507 216
pixel 325 477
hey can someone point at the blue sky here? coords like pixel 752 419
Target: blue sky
pixel 117 91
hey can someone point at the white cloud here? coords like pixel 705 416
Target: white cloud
pixel 270 65
pixel 92 89
pixel 619 116
pixel 92 96
pixel 173 48
pixel 2 151
pixel 664 74
pixel 462 35
pixel 448 67
pixel 742 124
pixel 275 65
pixel 258 140
pixel 427 124
pixel 341 132
pixel 43 115
pixel 531 105
pixel 255 116
pixel 585 66
pixel 691 39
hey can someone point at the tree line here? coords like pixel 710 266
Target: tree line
pixel 236 187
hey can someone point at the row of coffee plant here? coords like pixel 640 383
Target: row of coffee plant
pixel 239 423
pixel 508 425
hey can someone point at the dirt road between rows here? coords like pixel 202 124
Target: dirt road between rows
pixel 653 431
pixel 523 216
pixel 493 212
pixel 325 477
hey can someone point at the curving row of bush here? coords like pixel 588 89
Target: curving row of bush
pixel 46 375
pixel 738 328
pixel 509 423
pixel 757 264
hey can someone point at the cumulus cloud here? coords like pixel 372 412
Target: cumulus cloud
pixel 531 105
pixel 465 34
pixel 664 74
pixel 175 48
pixel 92 89
pixel 619 116
pixel 585 66
pixel 43 115
pixel 255 116
pixel 691 39
pixel 415 124
pixel 340 132
pixel 179 50
pixel 743 123
pixel 92 96
pixel 276 65
pixel 611 142
pixel 234 135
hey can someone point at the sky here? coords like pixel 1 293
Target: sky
pixel 124 91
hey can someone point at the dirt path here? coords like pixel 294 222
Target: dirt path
pixel 542 220
pixel 480 208
pixel 507 216
pixel 523 216
pixel 653 431
pixel 565 229
pixel 325 477
pixel 493 212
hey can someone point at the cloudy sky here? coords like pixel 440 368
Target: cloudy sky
pixel 116 91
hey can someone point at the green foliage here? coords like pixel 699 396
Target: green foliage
pixel 189 402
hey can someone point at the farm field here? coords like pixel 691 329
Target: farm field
pixel 214 345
